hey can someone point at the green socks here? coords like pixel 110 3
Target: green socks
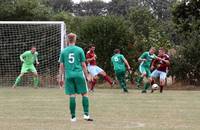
pixel 146 86
pixel 35 81
pixel 85 103
pixel 121 79
pixel 72 106
pixel 139 81
pixel 123 85
pixel 18 79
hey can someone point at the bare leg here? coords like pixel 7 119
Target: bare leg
pixel 152 81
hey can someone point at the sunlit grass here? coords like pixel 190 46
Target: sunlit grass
pixel 47 109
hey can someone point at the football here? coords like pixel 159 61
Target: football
pixel 155 86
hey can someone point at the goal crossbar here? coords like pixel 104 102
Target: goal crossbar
pixel 32 22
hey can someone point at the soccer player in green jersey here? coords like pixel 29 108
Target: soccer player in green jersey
pixel 28 58
pixel 73 66
pixel 119 62
pixel 144 68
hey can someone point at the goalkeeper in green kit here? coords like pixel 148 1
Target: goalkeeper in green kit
pixel 119 62
pixel 28 58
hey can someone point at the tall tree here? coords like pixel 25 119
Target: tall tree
pixel 107 33
pixel 186 17
pixel 160 8
pixel 121 7
pixel 91 8
pixel 24 10
pixel 60 5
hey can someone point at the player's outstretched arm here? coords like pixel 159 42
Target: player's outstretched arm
pixel 127 64
pixel 153 65
pixel 21 58
pixel 37 62
pixel 141 60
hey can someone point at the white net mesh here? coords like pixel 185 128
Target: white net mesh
pixel 16 38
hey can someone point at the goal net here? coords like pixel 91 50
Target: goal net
pixel 18 37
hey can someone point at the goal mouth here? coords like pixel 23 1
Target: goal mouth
pixel 17 37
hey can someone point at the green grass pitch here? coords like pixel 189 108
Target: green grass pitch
pixel 47 109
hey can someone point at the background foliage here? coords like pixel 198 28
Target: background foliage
pixel 132 26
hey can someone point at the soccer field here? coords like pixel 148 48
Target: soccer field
pixel 47 109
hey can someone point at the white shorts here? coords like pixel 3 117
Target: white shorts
pixel 156 73
pixel 94 70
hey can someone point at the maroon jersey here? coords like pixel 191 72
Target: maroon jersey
pixel 89 55
pixel 161 65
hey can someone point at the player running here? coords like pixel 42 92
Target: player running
pixel 72 64
pixel 144 68
pixel 94 70
pixel 28 58
pixel 119 62
pixel 160 65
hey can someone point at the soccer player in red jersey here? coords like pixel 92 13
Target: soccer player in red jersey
pixel 94 70
pixel 161 65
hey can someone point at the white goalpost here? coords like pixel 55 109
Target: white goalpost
pixel 17 37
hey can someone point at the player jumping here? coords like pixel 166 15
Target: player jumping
pixel 119 62
pixel 28 58
pixel 94 70
pixel 160 65
pixel 144 68
pixel 72 64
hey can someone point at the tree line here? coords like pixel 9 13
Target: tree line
pixel 132 26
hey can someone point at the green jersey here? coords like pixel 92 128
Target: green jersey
pixel 118 62
pixel 72 58
pixel 29 58
pixel 148 57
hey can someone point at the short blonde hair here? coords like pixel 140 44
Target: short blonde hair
pixel 153 48
pixel 71 37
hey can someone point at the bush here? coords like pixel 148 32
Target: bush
pixel 107 33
